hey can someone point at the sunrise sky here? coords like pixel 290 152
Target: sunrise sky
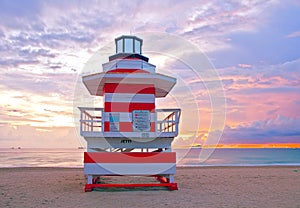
pixel 254 46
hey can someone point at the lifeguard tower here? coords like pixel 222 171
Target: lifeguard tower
pixel 129 136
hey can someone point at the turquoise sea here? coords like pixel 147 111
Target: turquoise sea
pixel 242 157
pixel 185 157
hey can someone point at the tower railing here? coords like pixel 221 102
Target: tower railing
pixel 167 120
pixel 92 120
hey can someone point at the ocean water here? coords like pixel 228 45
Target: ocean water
pixel 239 157
pixel 33 157
pixel 185 157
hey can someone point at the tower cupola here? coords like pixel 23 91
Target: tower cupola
pixel 128 44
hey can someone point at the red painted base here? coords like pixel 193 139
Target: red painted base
pixel 164 182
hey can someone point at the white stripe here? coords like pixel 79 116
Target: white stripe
pixel 96 142
pixel 129 64
pixel 95 82
pixel 129 168
pixel 145 136
pixel 129 98
pixel 126 117
pixel 126 78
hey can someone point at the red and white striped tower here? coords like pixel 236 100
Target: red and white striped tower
pixel 129 136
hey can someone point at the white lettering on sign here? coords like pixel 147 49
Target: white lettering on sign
pixel 141 120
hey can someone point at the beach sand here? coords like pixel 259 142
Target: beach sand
pixel 198 187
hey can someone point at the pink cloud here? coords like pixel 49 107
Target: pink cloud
pixel 294 34
pixel 31 137
pixel 245 66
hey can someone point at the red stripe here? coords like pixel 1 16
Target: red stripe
pixel 127 71
pixel 152 126
pixel 171 186
pixel 106 126
pixel 128 107
pixel 130 157
pixel 129 88
pixel 127 126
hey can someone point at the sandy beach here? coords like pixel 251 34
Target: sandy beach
pixel 198 187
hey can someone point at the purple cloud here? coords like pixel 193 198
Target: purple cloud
pixel 279 130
